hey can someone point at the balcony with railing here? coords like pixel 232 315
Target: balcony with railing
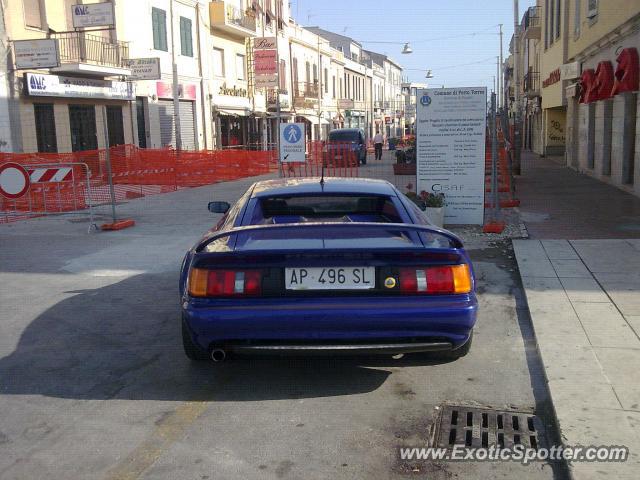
pixel 532 84
pixel 229 18
pixel 91 54
pixel 305 95
pixel 531 24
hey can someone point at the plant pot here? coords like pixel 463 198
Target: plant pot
pixel 436 215
pixel 404 168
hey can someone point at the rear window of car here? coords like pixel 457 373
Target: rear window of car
pixel 337 208
pixel 344 136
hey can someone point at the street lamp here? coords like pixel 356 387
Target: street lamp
pixel 429 74
pixel 407 49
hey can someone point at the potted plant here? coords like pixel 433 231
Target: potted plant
pixel 431 203
pixel 406 159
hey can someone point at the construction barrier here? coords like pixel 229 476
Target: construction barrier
pixel 71 182
pixel 333 159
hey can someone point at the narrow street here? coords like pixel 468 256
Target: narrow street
pixel 92 332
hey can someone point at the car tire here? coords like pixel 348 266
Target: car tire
pixel 460 351
pixel 191 350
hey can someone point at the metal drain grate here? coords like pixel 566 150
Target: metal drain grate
pixel 481 427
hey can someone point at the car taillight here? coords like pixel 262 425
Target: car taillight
pixel 224 283
pixel 437 280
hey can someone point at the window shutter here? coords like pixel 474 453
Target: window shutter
pixel 32 13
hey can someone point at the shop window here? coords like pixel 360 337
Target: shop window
pixel 33 13
pixel 186 41
pixel 115 125
pixel 159 25
pixel 45 127
pixel 82 122
pixel 218 62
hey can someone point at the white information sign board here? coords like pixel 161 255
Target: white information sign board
pixel 38 53
pixel 144 68
pixel 92 15
pixel 450 149
pixel 292 142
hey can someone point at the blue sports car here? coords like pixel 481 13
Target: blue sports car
pixel 328 265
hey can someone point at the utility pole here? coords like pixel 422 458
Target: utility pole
pixel 277 132
pixel 319 90
pixel 516 78
pixel 501 75
pixel 176 101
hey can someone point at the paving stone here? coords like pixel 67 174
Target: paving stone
pixel 614 256
pixel 634 321
pixel 532 259
pixel 559 250
pixel 605 326
pixel 583 290
pixel 571 394
pixel 570 269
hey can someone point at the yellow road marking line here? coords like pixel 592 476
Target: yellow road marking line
pixel 169 429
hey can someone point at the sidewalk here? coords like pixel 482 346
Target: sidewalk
pixel 584 300
pixel 557 202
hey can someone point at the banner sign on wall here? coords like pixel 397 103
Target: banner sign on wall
pixel 292 142
pixel 41 85
pixel 450 149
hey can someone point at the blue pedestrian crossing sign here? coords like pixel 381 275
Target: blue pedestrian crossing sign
pixel 292 142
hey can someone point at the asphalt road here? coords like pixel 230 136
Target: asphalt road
pixel 94 384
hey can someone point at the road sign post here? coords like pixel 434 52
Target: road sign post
pixel 292 142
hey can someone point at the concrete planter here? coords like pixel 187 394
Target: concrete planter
pixel 404 168
pixel 436 215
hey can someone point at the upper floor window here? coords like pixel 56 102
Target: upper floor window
pixel 159 24
pixel 218 62
pixel 326 81
pixel 241 67
pixel 33 13
pixel 282 75
pixel 186 41
pixel 592 10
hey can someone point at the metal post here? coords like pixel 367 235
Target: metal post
pixel 494 160
pixel 278 121
pixel 500 75
pixel 107 151
pixel 319 89
pixel 516 70
pixel 175 93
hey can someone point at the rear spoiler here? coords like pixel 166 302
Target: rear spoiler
pixel 455 240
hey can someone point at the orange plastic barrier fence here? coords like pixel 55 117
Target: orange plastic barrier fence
pixel 136 172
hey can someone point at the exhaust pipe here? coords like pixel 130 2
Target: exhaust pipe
pixel 218 355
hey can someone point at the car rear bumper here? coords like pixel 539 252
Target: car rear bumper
pixel 332 325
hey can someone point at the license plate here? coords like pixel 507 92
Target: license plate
pixel 330 278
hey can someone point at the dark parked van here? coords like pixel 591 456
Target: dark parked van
pixel 345 142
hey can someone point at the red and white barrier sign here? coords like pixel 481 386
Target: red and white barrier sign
pixel 14 180
pixel 54 174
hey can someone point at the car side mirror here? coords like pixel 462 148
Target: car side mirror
pixel 218 207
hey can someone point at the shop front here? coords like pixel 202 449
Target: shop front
pixel 68 114
pixel 235 125
pixel 186 112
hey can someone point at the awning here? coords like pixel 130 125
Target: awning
pixel 233 113
pixel 314 119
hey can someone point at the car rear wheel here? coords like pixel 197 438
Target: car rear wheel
pixel 191 350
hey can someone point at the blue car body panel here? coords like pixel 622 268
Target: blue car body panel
pixel 318 316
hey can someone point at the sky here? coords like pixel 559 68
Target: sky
pixel 456 39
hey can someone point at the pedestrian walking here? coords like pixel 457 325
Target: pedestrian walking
pixel 378 140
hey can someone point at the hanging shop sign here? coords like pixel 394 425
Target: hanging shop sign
pixel 40 53
pixel 92 15
pixel 264 43
pixel 554 77
pixel 450 150
pixel 40 85
pixel 570 71
pixel 345 103
pixel 144 68
pixel 265 62
pixel 186 91
pixel 266 81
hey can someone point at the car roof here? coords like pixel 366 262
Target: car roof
pixel 312 185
